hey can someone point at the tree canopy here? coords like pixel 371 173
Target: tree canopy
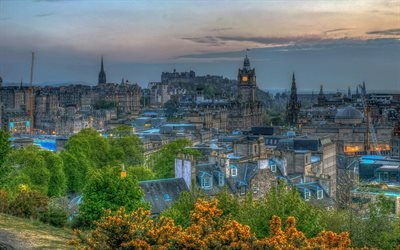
pixel 106 189
pixel 162 162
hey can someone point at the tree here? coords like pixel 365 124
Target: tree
pixel 40 170
pixel 162 162
pixel 58 182
pixel 89 144
pixel 171 106
pixel 5 146
pixel 126 148
pixel 76 169
pixel 27 167
pixel 141 173
pixel 106 189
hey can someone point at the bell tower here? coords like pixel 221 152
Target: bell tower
pixel 247 82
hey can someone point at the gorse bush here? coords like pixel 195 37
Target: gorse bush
pixel 207 229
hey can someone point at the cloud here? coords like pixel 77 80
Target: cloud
pixel 388 32
pixel 221 29
pixel 336 30
pixel 318 45
pixel 209 40
pixel 270 41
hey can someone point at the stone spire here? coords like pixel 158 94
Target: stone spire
pixel 293 107
pixel 102 74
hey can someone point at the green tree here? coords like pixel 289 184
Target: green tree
pixel 162 162
pixel 126 148
pixel 89 143
pixel 142 173
pixel 40 170
pixel 76 169
pixel 106 189
pixel 55 165
pixel 27 167
pixel 5 146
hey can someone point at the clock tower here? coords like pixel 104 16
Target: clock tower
pixel 247 82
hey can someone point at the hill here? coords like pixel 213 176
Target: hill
pixel 29 234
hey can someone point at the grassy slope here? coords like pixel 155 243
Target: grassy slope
pixel 25 233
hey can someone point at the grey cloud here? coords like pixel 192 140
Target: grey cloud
pixel 221 29
pixel 336 30
pixel 389 32
pixel 209 40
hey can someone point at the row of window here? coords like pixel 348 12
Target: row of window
pixel 307 194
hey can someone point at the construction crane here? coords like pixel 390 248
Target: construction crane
pixel 30 91
pixel 369 127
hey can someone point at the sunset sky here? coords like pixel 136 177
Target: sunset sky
pixel 338 43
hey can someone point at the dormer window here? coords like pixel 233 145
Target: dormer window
pixel 221 179
pixel 307 194
pixel 233 171
pixel 320 194
pixel 206 180
pixel 273 167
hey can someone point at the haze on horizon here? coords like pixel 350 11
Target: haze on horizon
pixel 338 43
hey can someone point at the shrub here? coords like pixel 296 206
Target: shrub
pixel 55 216
pixel 29 204
pixel 4 201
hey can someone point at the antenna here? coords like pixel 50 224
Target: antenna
pixel 30 95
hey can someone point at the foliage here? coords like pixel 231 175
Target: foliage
pixel 5 147
pixel 162 163
pixel 76 169
pixel 39 169
pixel 171 106
pixel 4 201
pixel 29 204
pixel 207 229
pixel 107 190
pixel 180 209
pixel 88 143
pixel 126 148
pixel 104 104
pixel 142 173
pixel 281 201
pixel 55 216
pixel 88 151
pixel 27 167
pixel 57 183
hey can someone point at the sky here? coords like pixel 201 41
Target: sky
pixel 337 43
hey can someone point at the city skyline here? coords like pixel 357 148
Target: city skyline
pixel 336 43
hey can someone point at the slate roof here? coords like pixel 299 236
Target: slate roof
pixel 162 193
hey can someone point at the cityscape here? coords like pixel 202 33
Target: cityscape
pixel 205 131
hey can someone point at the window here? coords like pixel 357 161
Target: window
pixel 242 190
pixel 233 171
pixel 206 182
pixel 221 179
pixel 167 197
pixel 307 194
pixel 320 194
pixel 273 167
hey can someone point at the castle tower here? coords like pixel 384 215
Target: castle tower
pixel 102 74
pixel 1 82
pixel 247 82
pixel 293 107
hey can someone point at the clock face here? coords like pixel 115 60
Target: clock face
pixel 245 78
pixel 254 78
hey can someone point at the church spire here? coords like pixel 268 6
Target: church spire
pixel 102 74
pixel 293 106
